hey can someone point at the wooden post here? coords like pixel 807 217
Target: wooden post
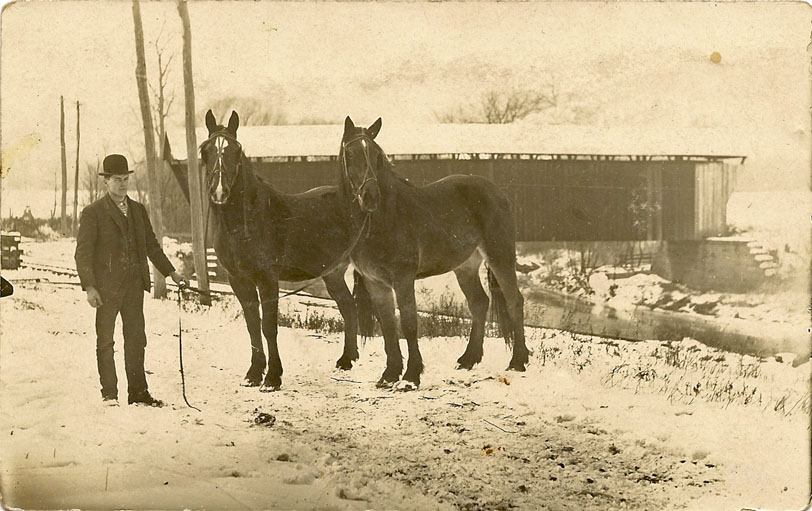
pixel 75 223
pixel 64 205
pixel 153 190
pixel 649 204
pixel 195 184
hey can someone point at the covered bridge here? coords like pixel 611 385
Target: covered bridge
pixel 563 183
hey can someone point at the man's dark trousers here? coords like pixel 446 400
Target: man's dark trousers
pixel 129 302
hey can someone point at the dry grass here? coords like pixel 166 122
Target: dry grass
pixel 683 372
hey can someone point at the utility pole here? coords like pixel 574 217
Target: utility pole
pixel 64 224
pixel 75 226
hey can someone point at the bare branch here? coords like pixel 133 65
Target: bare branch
pixel 168 106
pixel 500 107
pixel 165 70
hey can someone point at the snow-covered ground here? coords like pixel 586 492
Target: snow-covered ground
pixel 592 424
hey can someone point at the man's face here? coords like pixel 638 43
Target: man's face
pixel 117 186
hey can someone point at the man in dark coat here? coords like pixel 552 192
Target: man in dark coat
pixel 114 241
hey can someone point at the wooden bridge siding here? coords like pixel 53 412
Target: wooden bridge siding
pixel 714 183
pixel 297 176
pixel 677 206
pixel 552 200
pixel 568 200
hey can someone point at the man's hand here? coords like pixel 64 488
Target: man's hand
pixel 178 279
pixel 94 298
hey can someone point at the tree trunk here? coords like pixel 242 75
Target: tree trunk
pixel 75 226
pixel 64 209
pixel 153 191
pixel 195 183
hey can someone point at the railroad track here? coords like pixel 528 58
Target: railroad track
pixel 64 271
pixel 324 301
pixel 49 268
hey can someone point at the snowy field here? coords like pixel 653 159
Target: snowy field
pixel 592 424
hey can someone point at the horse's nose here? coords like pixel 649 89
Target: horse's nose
pixel 369 199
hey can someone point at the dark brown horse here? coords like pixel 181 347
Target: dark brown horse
pixel 453 224
pixel 263 236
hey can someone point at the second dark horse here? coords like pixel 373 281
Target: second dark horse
pixel 263 236
pixel 453 224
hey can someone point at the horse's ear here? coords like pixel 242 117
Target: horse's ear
pixel 211 122
pixel 375 128
pixel 234 123
pixel 348 126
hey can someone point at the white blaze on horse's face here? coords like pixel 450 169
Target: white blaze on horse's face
pixel 217 188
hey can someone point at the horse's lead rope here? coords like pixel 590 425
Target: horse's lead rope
pixel 180 350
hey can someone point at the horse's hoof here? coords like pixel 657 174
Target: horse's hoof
pixel 384 383
pixel 271 384
pixel 269 388
pixel 344 364
pixel 251 382
pixel 465 365
pixel 405 386
pixel 517 366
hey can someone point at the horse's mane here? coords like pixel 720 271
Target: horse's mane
pixel 390 166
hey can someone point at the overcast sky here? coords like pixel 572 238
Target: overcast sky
pixel 630 66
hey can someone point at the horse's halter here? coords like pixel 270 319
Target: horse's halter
pixel 369 171
pixel 220 139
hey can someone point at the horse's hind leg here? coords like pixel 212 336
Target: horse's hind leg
pixel 338 290
pixel 246 293
pixel 384 305
pixel 404 290
pixel 505 273
pixel 500 249
pixel 478 301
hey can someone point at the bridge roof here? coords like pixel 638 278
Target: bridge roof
pixel 292 141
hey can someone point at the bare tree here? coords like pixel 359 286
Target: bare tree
pixel 90 181
pixel 163 100
pixel 253 112
pixel 502 107
pixel 195 184
pixel 137 181
pixel 149 144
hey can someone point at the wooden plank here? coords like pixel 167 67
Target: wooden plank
pixel 658 187
pixel 697 201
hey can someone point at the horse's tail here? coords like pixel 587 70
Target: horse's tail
pixel 500 308
pixel 363 307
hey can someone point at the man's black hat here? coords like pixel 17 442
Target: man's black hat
pixel 115 165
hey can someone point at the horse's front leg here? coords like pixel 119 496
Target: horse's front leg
pixel 246 293
pixel 338 290
pixel 404 290
pixel 383 303
pixel 269 295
